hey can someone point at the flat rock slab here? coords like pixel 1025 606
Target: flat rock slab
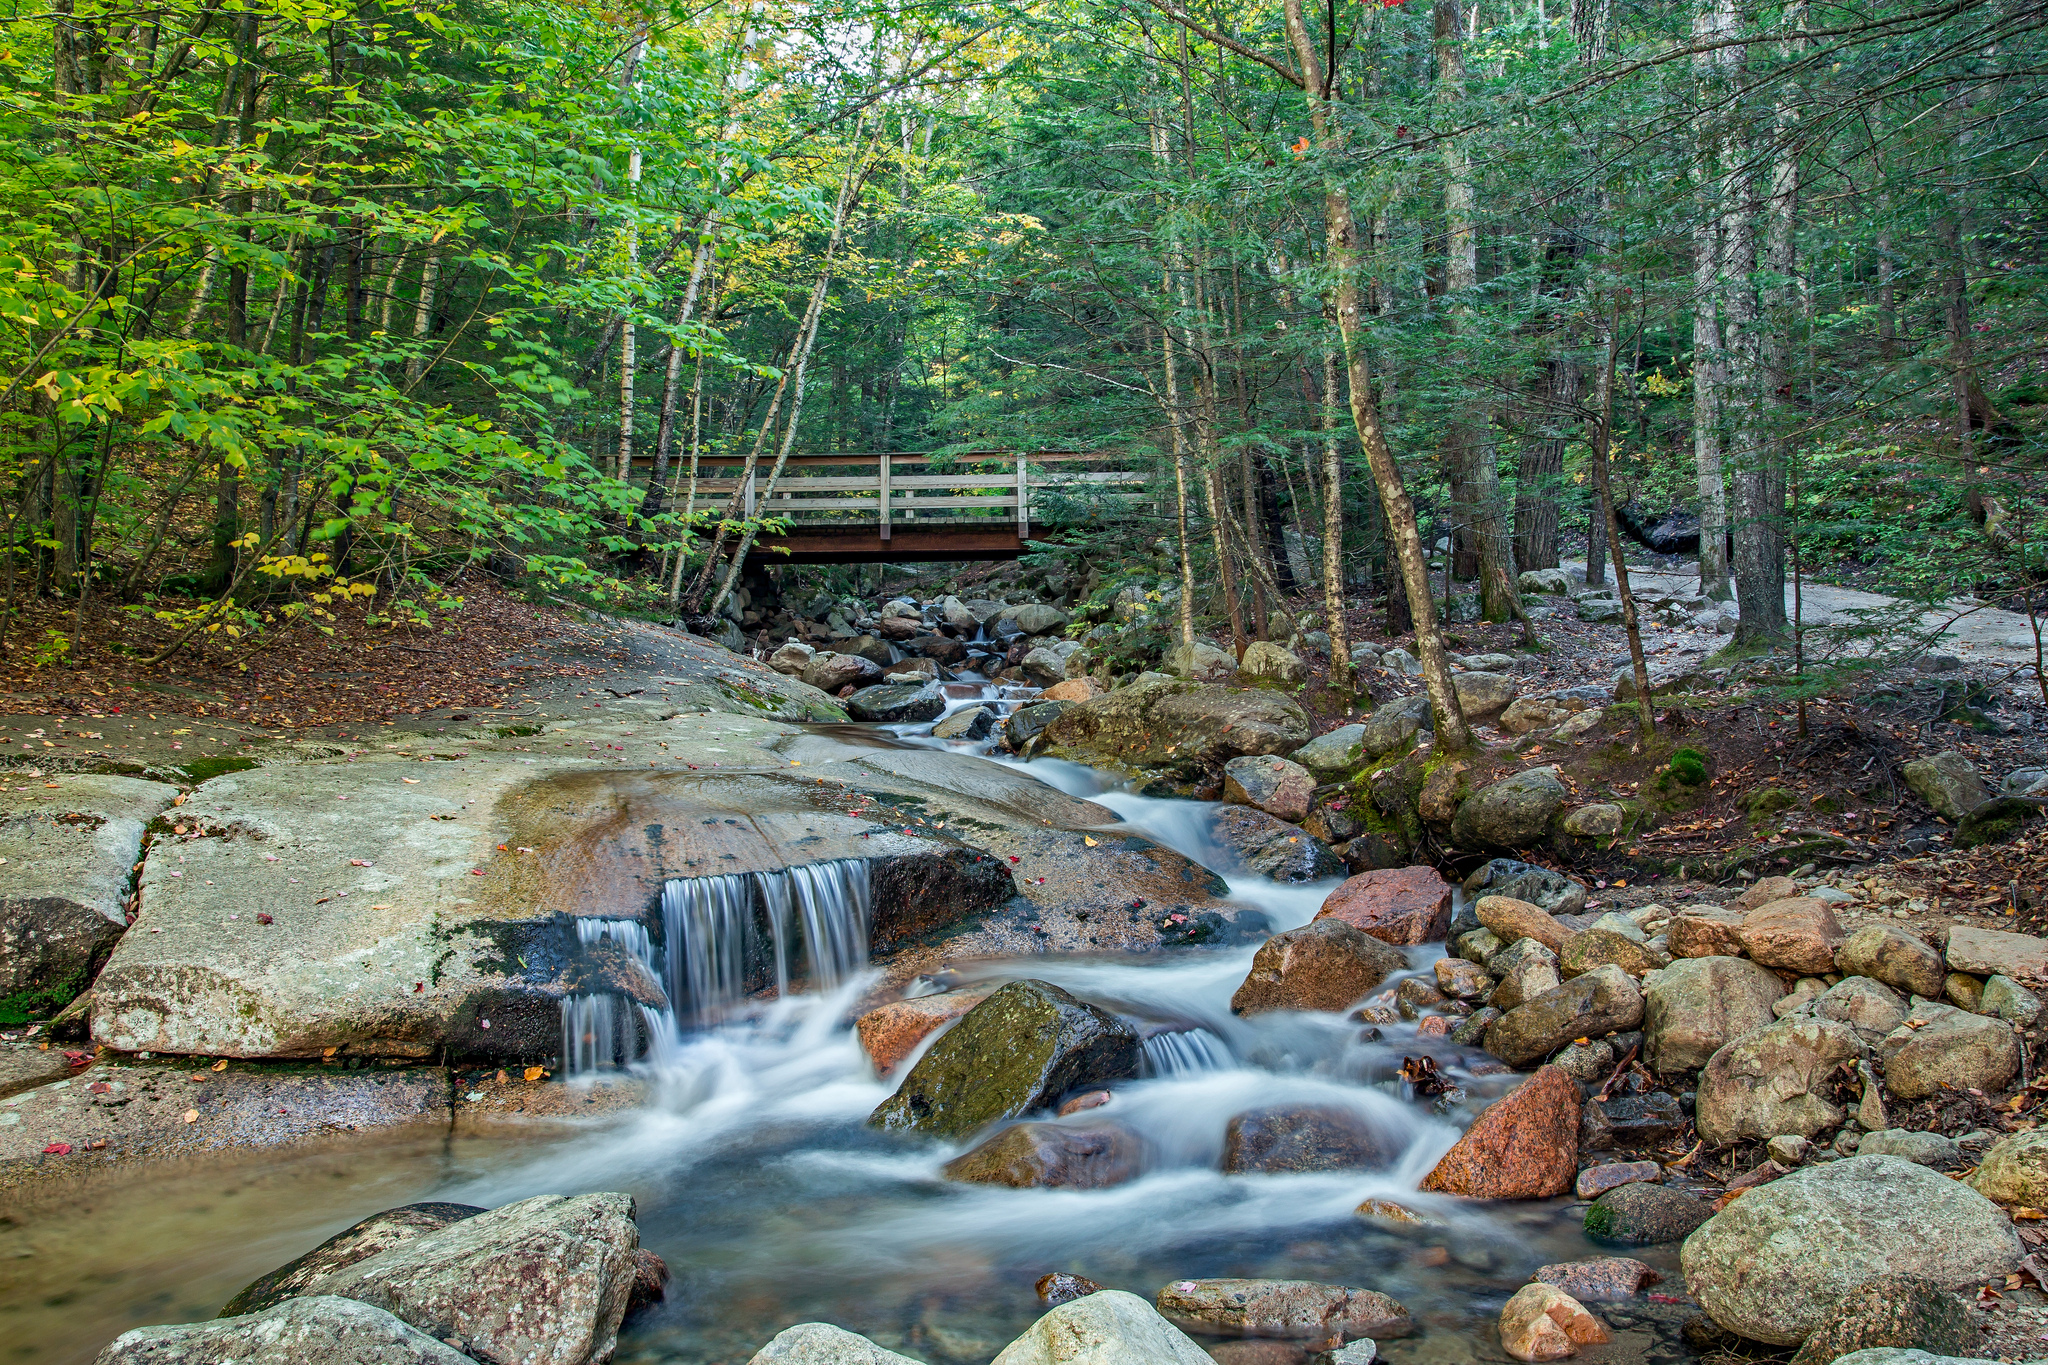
pixel 1299 1309
pixel 318 1330
pixel 1993 952
pixel 24 1066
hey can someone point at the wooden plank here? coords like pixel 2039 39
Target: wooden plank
pixel 887 461
pixel 1023 498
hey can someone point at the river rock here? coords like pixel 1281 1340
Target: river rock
pixel 1694 1006
pixel 1948 782
pixel 1776 1262
pixel 1183 731
pixel 1600 946
pixel 1281 789
pixel 1886 955
pixel 1649 1119
pixel 1511 813
pixel 1393 726
pixel 1200 662
pixel 1462 980
pixel 1034 618
pixel 897 703
pixel 1994 952
pixel 2006 999
pixel 64 895
pixel 1325 965
pixel 1074 1156
pixel 319 1329
pixel 1942 1045
pixel 890 1033
pixel 1028 723
pixel 793 658
pixel 377 1233
pixel 1643 1214
pixel 1923 1149
pixel 1265 661
pixel 972 722
pixel 1603 1001
pixel 1793 935
pixel 1551 892
pixel 1335 754
pixel 1706 931
pixel 1600 1279
pixel 1270 847
pixel 820 1343
pixel 1773 1080
pixel 1044 667
pixel 1062 1287
pixel 1542 1322
pixel 1404 905
pixel 1526 970
pixel 1517 919
pixel 828 672
pixel 544 1280
pixel 1892 1310
pixel 1109 1328
pixel 1524 1145
pixel 1299 1310
pixel 1595 1181
pixel 1021 1049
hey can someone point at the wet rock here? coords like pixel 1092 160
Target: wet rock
pixel 1471 1032
pixel 1542 1322
pixel 1270 847
pixel 1600 1002
pixel 1602 947
pixel 1398 905
pixel 828 672
pixel 1305 1137
pixel 1028 723
pixel 911 671
pixel 1641 1214
pixel 1183 731
pixel 1044 667
pixel 1061 1287
pixel 1775 1263
pixel 2006 999
pixel 1462 980
pixel 1694 1006
pixel 1598 820
pixel 1300 1310
pixel 1587 1062
pixel 377 1233
pixel 890 1033
pixel 1483 696
pixel 544 1280
pixel 1705 932
pixel 1265 661
pixel 1390 1214
pixel 1511 813
pixel 897 703
pixel 1892 957
pixel 315 1330
pixel 1600 1279
pixel 1515 919
pixel 1792 935
pixel 1646 1120
pixel 1942 1045
pixel 1325 965
pixel 1334 755
pixel 1476 945
pixel 1774 1080
pixel 1281 789
pixel 1892 1310
pixel 1075 1156
pixel 820 1343
pixel 1595 1181
pixel 1200 662
pixel 1948 782
pixel 1524 1145
pixel 1924 1149
pixel 1393 726
pixel 1021 1049
pixel 973 722
pixel 942 649
pixel 1254 1351
pixel 1993 952
pixel 792 658
pixel 1872 1008
pixel 1105 1328
pixel 1551 892
pixel 1526 970
pixel 650 1281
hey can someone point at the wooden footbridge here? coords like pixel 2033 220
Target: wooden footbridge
pixel 873 507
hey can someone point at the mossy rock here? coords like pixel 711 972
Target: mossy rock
pixel 1995 822
pixel 1768 801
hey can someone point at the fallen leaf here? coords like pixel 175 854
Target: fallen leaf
pixel 329 1051
pixel 358 862
pixel 191 1116
pixel 221 1065
pixel 264 919
pixel 1084 839
pixel 57 1148
pixel 410 781
pixel 534 1073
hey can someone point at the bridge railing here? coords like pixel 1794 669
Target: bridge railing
pixel 896 490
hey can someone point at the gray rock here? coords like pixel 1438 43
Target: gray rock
pixel 1335 755
pixel 1553 581
pixel 1994 952
pixel 2024 782
pixel 1106 1328
pixel 1599 610
pixel 1891 1311
pixel 1774 1080
pixel 2007 999
pixel 1924 1149
pixel 544 1280
pixel 819 1343
pixel 1027 723
pixel 1894 958
pixel 1552 892
pixel 1905 1355
pixel 1643 1214
pixel 64 895
pixel 1597 820
pixel 958 614
pixel 1402 662
pixel 1603 1001
pixel 1870 1007
pixel 1511 813
pixel 1034 618
pixel 1393 726
pixel 318 1330
pixel 2015 1169
pixel 897 703
pixel 1693 1007
pixel 1268 846
pixel 1482 696
pixel 829 672
pixel 1044 667
pixel 1280 788
pixel 1947 782
pixel 1775 1263
pixel 375 1234
pixel 1265 661
pixel 1200 662
pixel 1942 1045
pixel 1527 969
pixel 972 722
pixel 792 658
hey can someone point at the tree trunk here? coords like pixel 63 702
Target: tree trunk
pixel 1333 529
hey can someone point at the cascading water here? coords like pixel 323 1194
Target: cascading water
pixel 602 1030
pixel 1183 1052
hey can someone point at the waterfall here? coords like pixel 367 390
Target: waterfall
pixel 602 1030
pixel 1184 1052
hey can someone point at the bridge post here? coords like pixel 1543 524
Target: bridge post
pixel 1023 498
pixel 750 493
pixel 885 462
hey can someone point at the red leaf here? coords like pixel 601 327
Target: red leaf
pixel 57 1149
pixel 264 919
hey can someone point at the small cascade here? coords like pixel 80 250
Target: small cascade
pixel 716 940
pixel 705 923
pixel 603 1031
pixel 1184 1052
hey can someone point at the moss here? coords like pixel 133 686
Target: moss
pixel 1826 804
pixel 1599 1221
pixel 205 769
pixel 40 1002
pixel 1688 765
pixel 1768 801
pixel 515 731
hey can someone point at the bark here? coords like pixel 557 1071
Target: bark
pixel 665 432
pixel 1539 471
pixel 1603 520
pixel 1333 529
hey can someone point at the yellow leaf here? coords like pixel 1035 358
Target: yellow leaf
pixel 221 1065
pixel 191 1116
pixel 1088 841
pixel 534 1073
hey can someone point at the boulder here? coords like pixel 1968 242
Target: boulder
pixel 1511 813
pixel 820 1343
pixel 1200 662
pixel 2006 999
pixel 1297 1310
pixel 1596 820
pixel 1184 731
pixel 1601 1002
pixel 1551 892
pixel 1335 754
pixel 1892 1310
pixel 1527 714
pixel 1643 1214
pixel 377 1233
pixel 1775 1263
pixel 1774 1080
pixel 890 1033
pixel 1941 1045
pixel 1074 1156
pixel 1306 1137
pixel 1599 1279
pixel 1887 955
pixel 972 722
pixel 875 651
pixel 1646 1120
pixel 1524 1145
pixel 1794 935
pixel 1325 965
pixel 2014 1170
pixel 1028 723
pixel 544 1280
pixel 1034 618
pixel 1270 847
pixel 1872 1008
pixel 959 615
pixel 1483 696
pixel 1764 892
pixel 70 854
pixel 1043 667
pixel 1404 905
pixel 828 672
pixel 1109 1328
pixel 1021 1049
pixel 1526 970
pixel 1402 662
pixel 942 649
pixel 1694 1006
pixel 1461 980
pixel 1603 947
pixel 1265 661
pixel 911 671
pixel 1924 1149
pixel 792 658
pixel 1948 782
pixel 1393 726
pixel 1599 610
pixel 1705 931
pixel 1274 785
pixel 1994 952
pixel 1554 581
pixel 1542 1322
pixel 1073 689
pixel 897 703
pixel 317 1330
pixel 1515 919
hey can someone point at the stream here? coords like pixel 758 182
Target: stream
pixel 773 1203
